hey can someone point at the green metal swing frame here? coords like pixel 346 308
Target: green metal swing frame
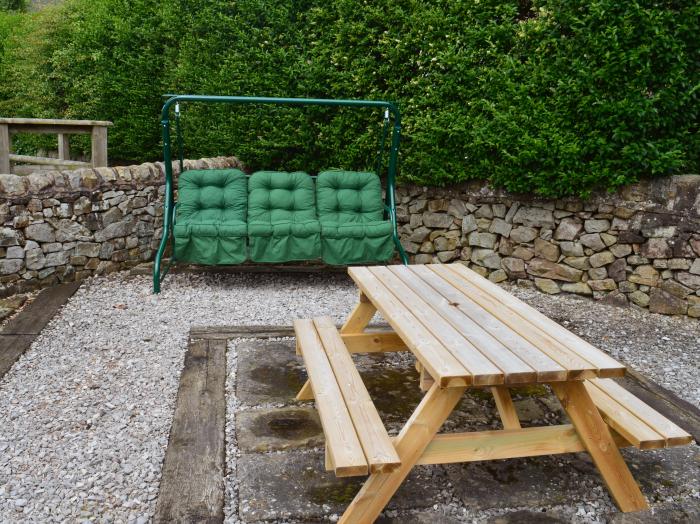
pixel 391 112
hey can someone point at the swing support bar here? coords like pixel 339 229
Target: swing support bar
pixel 168 215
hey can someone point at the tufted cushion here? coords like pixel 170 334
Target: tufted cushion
pixel 351 212
pixel 210 223
pixel 282 223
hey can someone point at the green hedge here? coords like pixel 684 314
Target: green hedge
pixel 553 97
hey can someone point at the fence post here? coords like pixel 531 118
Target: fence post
pixel 5 145
pixel 99 146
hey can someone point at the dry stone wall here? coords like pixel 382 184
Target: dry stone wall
pixel 61 226
pixel 640 246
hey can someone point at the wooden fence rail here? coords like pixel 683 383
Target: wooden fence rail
pixel 62 128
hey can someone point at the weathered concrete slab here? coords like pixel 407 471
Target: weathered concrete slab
pixel 268 372
pixel 295 485
pixel 278 429
pixel 530 517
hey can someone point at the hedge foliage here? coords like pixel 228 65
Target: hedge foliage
pixel 555 97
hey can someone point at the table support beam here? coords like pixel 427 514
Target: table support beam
pixel 360 316
pixel 598 441
pixel 506 409
pixel 418 432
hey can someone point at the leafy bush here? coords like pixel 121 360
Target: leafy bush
pixel 555 97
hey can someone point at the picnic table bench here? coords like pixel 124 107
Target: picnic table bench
pixel 466 331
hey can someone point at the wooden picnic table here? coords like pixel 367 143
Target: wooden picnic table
pixel 466 331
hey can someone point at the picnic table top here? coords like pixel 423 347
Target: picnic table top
pixel 467 331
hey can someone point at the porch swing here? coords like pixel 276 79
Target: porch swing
pixel 225 217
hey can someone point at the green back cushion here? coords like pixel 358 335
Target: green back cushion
pixel 212 197
pixel 279 198
pixel 349 197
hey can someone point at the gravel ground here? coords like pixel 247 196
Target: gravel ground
pixel 87 410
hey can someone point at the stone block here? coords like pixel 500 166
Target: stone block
pixel 592 241
pixel 571 249
pixel 543 268
pixel 597 273
pixel 486 240
pixel 568 229
pixel 656 248
pixel 500 227
pixel 579 288
pixel 688 279
pixel 511 212
pixel 596 225
pixel 427 247
pixel 614 298
pixel 419 234
pixel 523 234
pixel 498 276
pixel 621 250
pixel 69 231
pixel 57 258
pixel 640 298
pixel 577 262
pixel 468 224
pixel 486 258
pixel 547 286
pixel 447 256
pixel 675 288
pixel 35 259
pixel 665 303
pixel 42 232
pixel 607 284
pixel 630 237
pixel 118 229
pixel 534 217
pixel 14 252
pixel 499 210
pixel 546 250
pixel 457 208
pixel 484 211
pixel 423 259
pixel 437 220
pixel 524 253
pixel 88 249
pixel 515 267
pixel 10 266
pixel 601 259
pixel 618 270
pixel 694 269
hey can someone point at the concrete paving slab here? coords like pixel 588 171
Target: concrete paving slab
pixel 295 485
pixel 278 429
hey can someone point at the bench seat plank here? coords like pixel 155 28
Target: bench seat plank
pixel 672 434
pixel 346 451
pixel 378 448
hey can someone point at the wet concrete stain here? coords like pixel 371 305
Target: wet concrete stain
pixel 285 424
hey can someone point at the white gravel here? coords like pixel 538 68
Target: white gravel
pixel 87 410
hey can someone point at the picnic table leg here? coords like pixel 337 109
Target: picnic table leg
pixel 597 440
pixel 506 409
pixel 415 436
pixel 360 316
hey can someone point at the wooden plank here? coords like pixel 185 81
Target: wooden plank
pixel 677 410
pixel 607 366
pixel 440 363
pixel 345 448
pixel 673 434
pixel 48 129
pixel 479 320
pixel 623 421
pixel 378 449
pixel 577 367
pixel 481 369
pixel 373 342
pixel 59 122
pixel 505 444
pixel 229 332
pixel 596 438
pixel 99 146
pixel 5 148
pixel 192 482
pixel 420 429
pixel 514 369
pixel 425 382
pixel 360 316
pixel 63 146
pixel 46 161
pixel 506 409
pixel 11 348
pixel 305 393
pixel 34 317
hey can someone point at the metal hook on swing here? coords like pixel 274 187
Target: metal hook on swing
pixel 177 109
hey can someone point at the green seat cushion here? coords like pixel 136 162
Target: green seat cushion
pixel 282 223
pixel 351 212
pixel 210 225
